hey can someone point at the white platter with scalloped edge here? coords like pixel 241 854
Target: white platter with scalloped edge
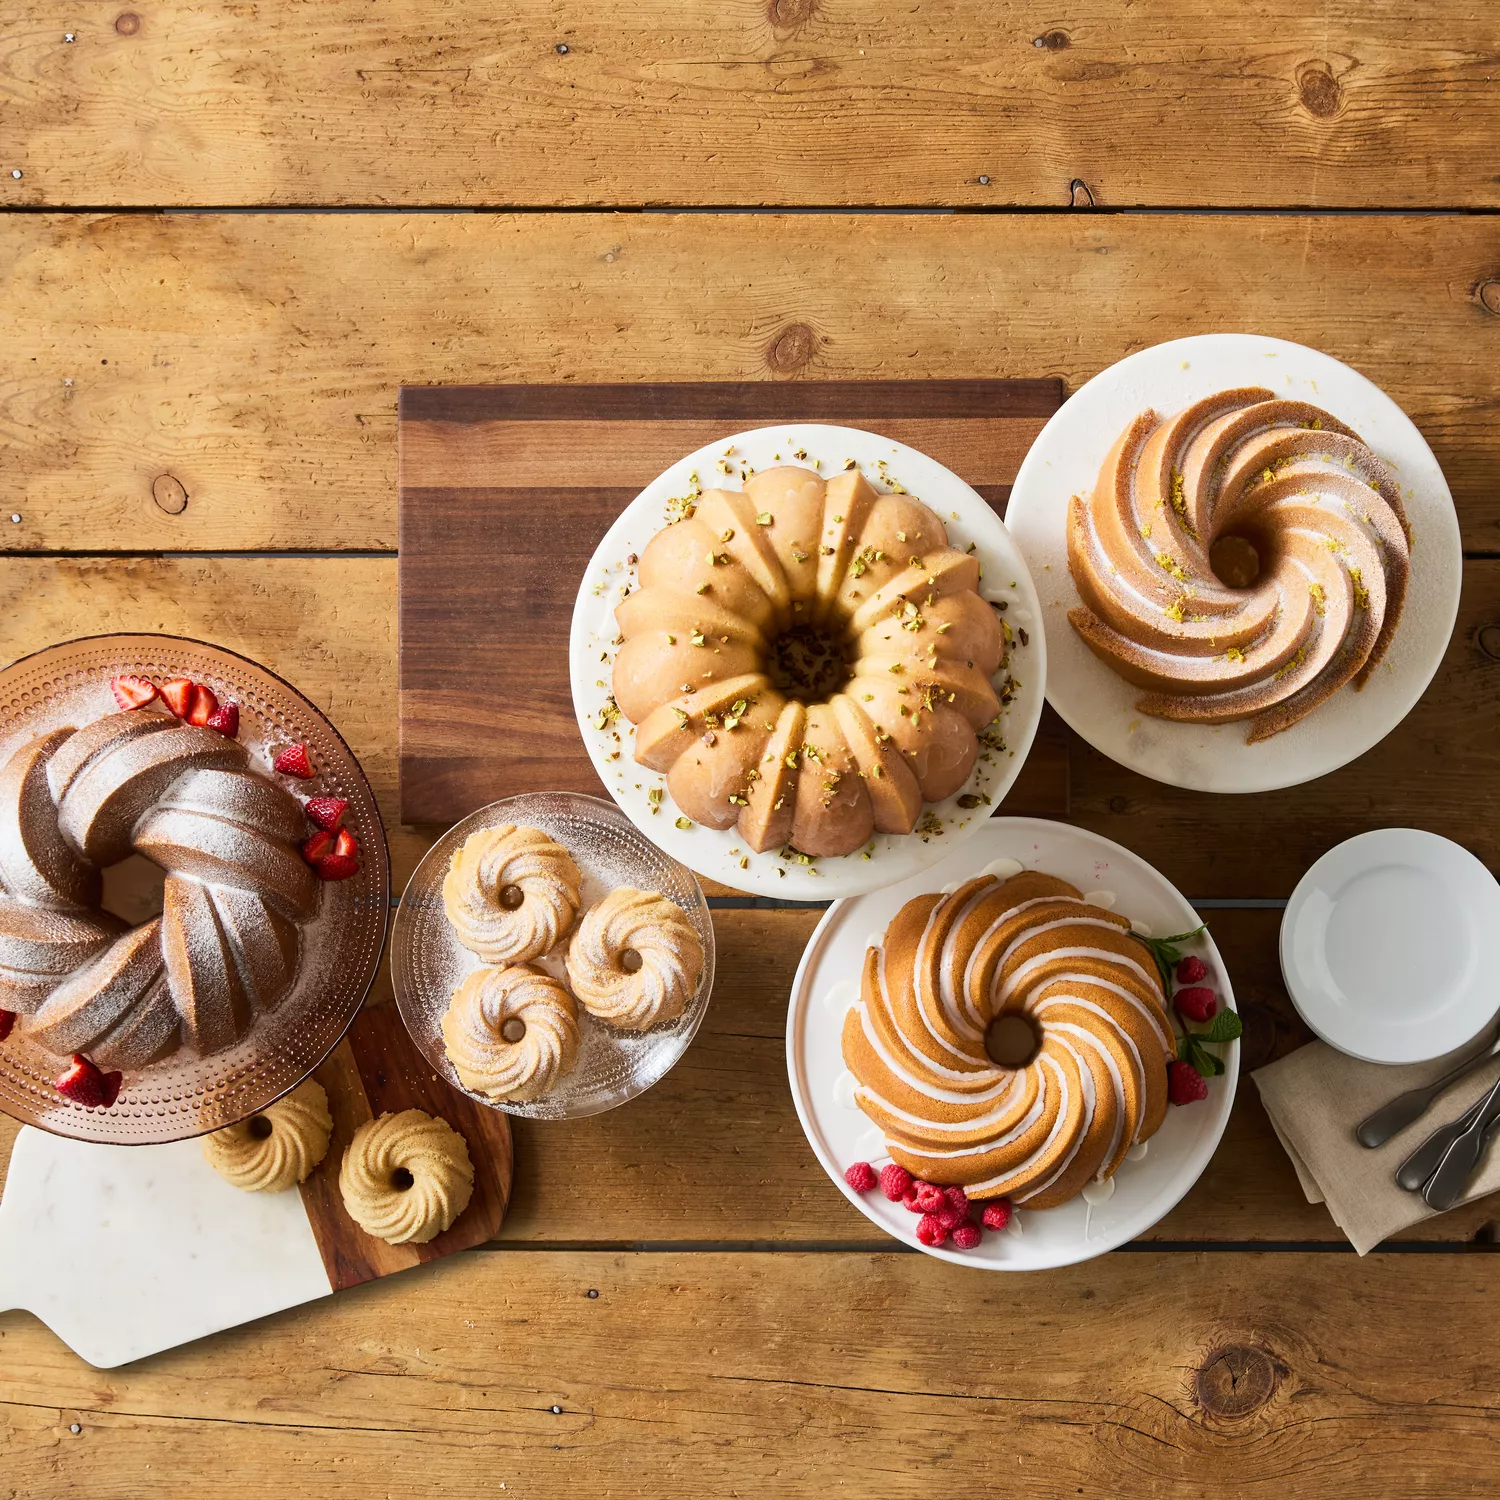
pixel 642 793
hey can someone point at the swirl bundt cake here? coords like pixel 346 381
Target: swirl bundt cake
pixel 952 966
pixel 1243 559
pixel 226 943
pixel 808 659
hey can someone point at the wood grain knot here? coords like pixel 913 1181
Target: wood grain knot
pixel 127 23
pixel 1052 41
pixel 1318 90
pixel 1236 1381
pixel 1080 194
pixel 169 494
pixel 1487 295
pixel 1489 641
pixel 792 349
pixel 790 15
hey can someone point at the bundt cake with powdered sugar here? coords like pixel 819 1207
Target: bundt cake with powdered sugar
pixel 1030 952
pixel 237 889
pixel 808 659
pixel 1243 559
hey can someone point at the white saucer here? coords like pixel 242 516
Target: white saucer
pixel 840 1134
pixel 1390 946
pixel 724 856
pixel 1100 705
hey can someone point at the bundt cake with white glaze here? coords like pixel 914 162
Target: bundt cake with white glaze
pixel 808 659
pixel 226 944
pixel 1243 559
pixel 1031 952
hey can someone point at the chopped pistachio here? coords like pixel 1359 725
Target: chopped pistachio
pixel 765 518
pixel 684 823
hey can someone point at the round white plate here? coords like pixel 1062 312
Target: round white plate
pixel 725 856
pixel 1065 460
pixel 1390 946
pixel 827 982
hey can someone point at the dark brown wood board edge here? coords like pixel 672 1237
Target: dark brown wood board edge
pixel 376 1070
pixel 838 401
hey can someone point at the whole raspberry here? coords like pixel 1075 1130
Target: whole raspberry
pixel 930 1231
pixel 955 1208
pixel 923 1198
pixel 1185 1084
pixel 894 1181
pixel 7 1022
pixel 997 1213
pixel 861 1177
pixel 1191 970
pixel 967 1235
pixel 1196 1004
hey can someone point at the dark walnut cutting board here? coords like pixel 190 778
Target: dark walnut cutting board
pixel 505 491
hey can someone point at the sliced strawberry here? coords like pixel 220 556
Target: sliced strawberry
pixel 177 694
pixel 337 867
pixel 346 845
pixel 317 847
pixel 294 761
pixel 7 1023
pixel 202 706
pixel 84 1084
pixel 132 692
pixel 326 812
pixel 226 719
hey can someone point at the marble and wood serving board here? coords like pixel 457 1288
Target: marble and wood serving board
pixel 505 491
pixel 124 1251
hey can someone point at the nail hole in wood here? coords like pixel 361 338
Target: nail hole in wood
pixel 127 23
pixel 792 349
pixel 1080 194
pixel 169 494
pixel 1236 1381
pixel 1487 294
pixel 1053 41
pixel 1489 641
pixel 1318 90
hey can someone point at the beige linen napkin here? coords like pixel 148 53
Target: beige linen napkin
pixel 1315 1098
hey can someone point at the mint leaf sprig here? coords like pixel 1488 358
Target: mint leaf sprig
pixel 1166 951
pixel 1226 1026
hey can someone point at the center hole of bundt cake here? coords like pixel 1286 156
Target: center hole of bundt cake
pixel 1011 1041
pixel 631 961
pixel 260 1127
pixel 1235 561
pixel 514 1029
pixel 808 664
pixel 402 1180
pixel 133 889
pixel 511 897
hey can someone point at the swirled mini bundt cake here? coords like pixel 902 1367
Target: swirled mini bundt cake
pixel 237 890
pixel 1243 559
pixel 808 659
pixel 1029 952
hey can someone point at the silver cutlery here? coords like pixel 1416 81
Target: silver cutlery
pixel 1423 1162
pixel 1376 1129
pixel 1446 1185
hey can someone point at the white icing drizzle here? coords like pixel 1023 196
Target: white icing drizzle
pixel 1106 899
pixel 844 1089
pixel 842 995
pixel 1003 869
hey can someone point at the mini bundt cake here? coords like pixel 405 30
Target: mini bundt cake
pixel 635 959
pixel 226 943
pixel 511 1034
pixel 1243 559
pixel 917 1040
pixel 809 659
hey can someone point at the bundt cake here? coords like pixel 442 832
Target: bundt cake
pixel 1243 559
pixel 1031 953
pixel 226 943
pixel 808 659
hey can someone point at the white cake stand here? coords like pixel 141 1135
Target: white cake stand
pixel 1065 460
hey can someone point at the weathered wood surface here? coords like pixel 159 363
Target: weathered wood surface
pixel 751 102
pixel 248 364
pixel 685 1375
pixel 328 625
pixel 488 577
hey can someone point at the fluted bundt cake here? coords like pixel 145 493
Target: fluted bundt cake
pixel 237 889
pixel 1028 953
pixel 809 659
pixel 1243 559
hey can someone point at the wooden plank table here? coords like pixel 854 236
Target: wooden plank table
pixel 197 435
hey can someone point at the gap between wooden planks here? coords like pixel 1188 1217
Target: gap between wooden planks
pixel 328 625
pixel 249 362
pixel 622 102
pixel 686 1376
